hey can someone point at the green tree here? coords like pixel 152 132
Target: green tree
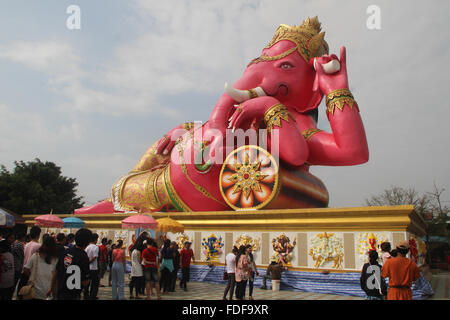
pixel 37 187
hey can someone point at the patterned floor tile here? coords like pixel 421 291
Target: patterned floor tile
pixel 209 291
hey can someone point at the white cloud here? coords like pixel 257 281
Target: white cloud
pixel 49 57
pixel 63 68
pixel 105 169
pixel 25 135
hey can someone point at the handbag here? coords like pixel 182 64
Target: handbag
pixel 225 275
pixel 28 292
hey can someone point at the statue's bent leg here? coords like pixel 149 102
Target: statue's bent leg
pixel 140 191
pixel 150 160
pixel 147 191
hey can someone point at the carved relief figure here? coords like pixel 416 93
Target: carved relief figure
pixel 327 247
pixel 283 248
pixel 212 247
pixel 244 240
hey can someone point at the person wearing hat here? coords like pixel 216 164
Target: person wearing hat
pixel 273 271
pixel 402 272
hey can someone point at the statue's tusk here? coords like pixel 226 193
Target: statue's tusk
pixel 260 92
pixel 243 95
pixel 330 67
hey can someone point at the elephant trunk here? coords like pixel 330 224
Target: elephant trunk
pixel 242 95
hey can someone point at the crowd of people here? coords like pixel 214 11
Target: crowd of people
pixel 392 280
pixel 71 267
pixel 397 268
pixel 241 269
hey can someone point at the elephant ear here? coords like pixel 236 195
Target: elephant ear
pixel 314 102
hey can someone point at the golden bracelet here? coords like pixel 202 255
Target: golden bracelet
pixel 188 125
pixel 252 93
pixel 308 133
pixel 274 115
pixel 338 98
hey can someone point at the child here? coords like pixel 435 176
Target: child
pixel 386 249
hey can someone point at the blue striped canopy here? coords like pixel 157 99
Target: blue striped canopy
pixel 73 222
pixel 6 219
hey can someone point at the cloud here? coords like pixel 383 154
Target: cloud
pixel 105 169
pixel 48 57
pixel 63 67
pixel 22 133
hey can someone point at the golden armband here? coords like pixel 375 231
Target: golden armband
pixel 308 133
pixel 188 126
pixel 252 93
pixel 338 98
pixel 274 115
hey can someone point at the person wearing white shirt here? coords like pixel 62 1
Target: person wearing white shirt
pixel 41 267
pixel 137 271
pixel 230 260
pixel 92 251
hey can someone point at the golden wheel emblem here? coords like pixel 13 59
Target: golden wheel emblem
pixel 249 178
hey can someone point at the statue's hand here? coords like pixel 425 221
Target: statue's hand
pixel 251 110
pixel 329 82
pixel 166 143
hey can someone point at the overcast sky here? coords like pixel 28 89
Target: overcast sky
pixel 92 100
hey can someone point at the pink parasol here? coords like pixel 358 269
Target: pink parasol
pixel 139 221
pixel 49 221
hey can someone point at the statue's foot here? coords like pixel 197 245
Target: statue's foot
pixel 104 206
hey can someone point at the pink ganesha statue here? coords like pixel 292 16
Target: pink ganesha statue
pixel 272 111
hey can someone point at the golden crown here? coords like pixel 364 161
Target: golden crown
pixel 309 40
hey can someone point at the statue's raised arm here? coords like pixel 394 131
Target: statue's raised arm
pixel 347 144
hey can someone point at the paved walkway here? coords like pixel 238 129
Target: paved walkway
pixel 208 291
pixel 441 286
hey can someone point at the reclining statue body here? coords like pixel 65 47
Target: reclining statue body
pixel 280 91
